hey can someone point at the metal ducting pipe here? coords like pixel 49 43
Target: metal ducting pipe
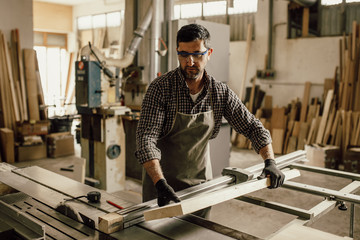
pixel 155 34
pixel 128 58
pixel 271 10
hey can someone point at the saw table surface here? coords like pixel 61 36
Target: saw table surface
pixel 41 191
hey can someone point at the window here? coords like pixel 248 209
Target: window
pixel 50 39
pixel 334 2
pixel 191 10
pixel 53 60
pixel 236 13
pixel 104 31
pixel 113 19
pixel 330 2
pixel 213 8
pixel 241 6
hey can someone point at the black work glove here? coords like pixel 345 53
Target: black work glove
pixel 276 176
pixel 165 193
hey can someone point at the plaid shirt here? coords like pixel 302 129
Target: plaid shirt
pixel 159 108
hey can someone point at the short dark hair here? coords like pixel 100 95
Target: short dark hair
pixel 192 32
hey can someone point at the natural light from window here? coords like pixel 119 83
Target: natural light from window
pixel 53 76
pixel 334 2
pixel 213 8
pixel 99 21
pixel 241 6
pixel 191 10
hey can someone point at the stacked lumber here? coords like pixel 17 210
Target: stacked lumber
pixel 19 83
pixel 333 119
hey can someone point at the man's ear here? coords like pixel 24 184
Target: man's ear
pixel 210 51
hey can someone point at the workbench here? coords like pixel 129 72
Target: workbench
pixel 31 211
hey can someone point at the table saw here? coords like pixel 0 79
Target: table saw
pixel 32 212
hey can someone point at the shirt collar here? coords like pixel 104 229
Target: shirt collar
pixel 183 82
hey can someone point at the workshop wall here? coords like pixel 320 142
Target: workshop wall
pixel 295 60
pixel 52 17
pixel 17 14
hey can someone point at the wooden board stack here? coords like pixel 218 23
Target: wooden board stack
pixel 334 120
pixel 19 100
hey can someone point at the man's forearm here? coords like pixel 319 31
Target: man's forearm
pixel 153 169
pixel 267 152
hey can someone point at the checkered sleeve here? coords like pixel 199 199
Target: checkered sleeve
pixel 245 123
pixel 150 124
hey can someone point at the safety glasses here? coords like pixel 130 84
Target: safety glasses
pixel 195 55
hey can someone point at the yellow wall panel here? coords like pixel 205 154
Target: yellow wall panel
pixel 52 17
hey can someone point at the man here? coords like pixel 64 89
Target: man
pixel 180 112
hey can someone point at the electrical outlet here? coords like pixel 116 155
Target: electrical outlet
pixel 265 74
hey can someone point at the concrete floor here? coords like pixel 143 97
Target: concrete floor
pixel 262 222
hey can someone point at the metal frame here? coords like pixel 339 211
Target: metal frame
pixel 27 226
pixel 332 197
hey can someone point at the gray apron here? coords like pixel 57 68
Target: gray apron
pixel 185 154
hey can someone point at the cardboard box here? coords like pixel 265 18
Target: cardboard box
pixel 323 156
pixel 7 145
pixel 352 160
pixel 36 128
pixel 31 152
pixel 60 144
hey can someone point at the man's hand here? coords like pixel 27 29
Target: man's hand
pixel 165 193
pixel 276 176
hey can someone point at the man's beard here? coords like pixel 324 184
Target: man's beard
pixel 192 74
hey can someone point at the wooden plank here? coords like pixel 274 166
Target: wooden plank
pixel 311 114
pixel 305 101
pixel 16 74
pixel 278 140
pixel 328 85
pixel 320 133
pixel 345 93
pixel 354 40
pixel 357 93
pixel 317 124
pixel 31 84
pixel 311 132
pixel 341 60
pixel 268 102
pixel 305 22
pixel 289 130
pixel 338 136
pixel 347 129
pixel 357 133
pixel 6 107
pixel 11 81
pixel 22 77
pixel 41 100
pixel 278 119
pixel 304 129
pixel 71 65
pixel 7 145
pixel 343 132
pixel 110 223
pixel 334 127
pixel 209 199
pixel 292 144
pixel 329 125
pixel 354 125
pixel 252 96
